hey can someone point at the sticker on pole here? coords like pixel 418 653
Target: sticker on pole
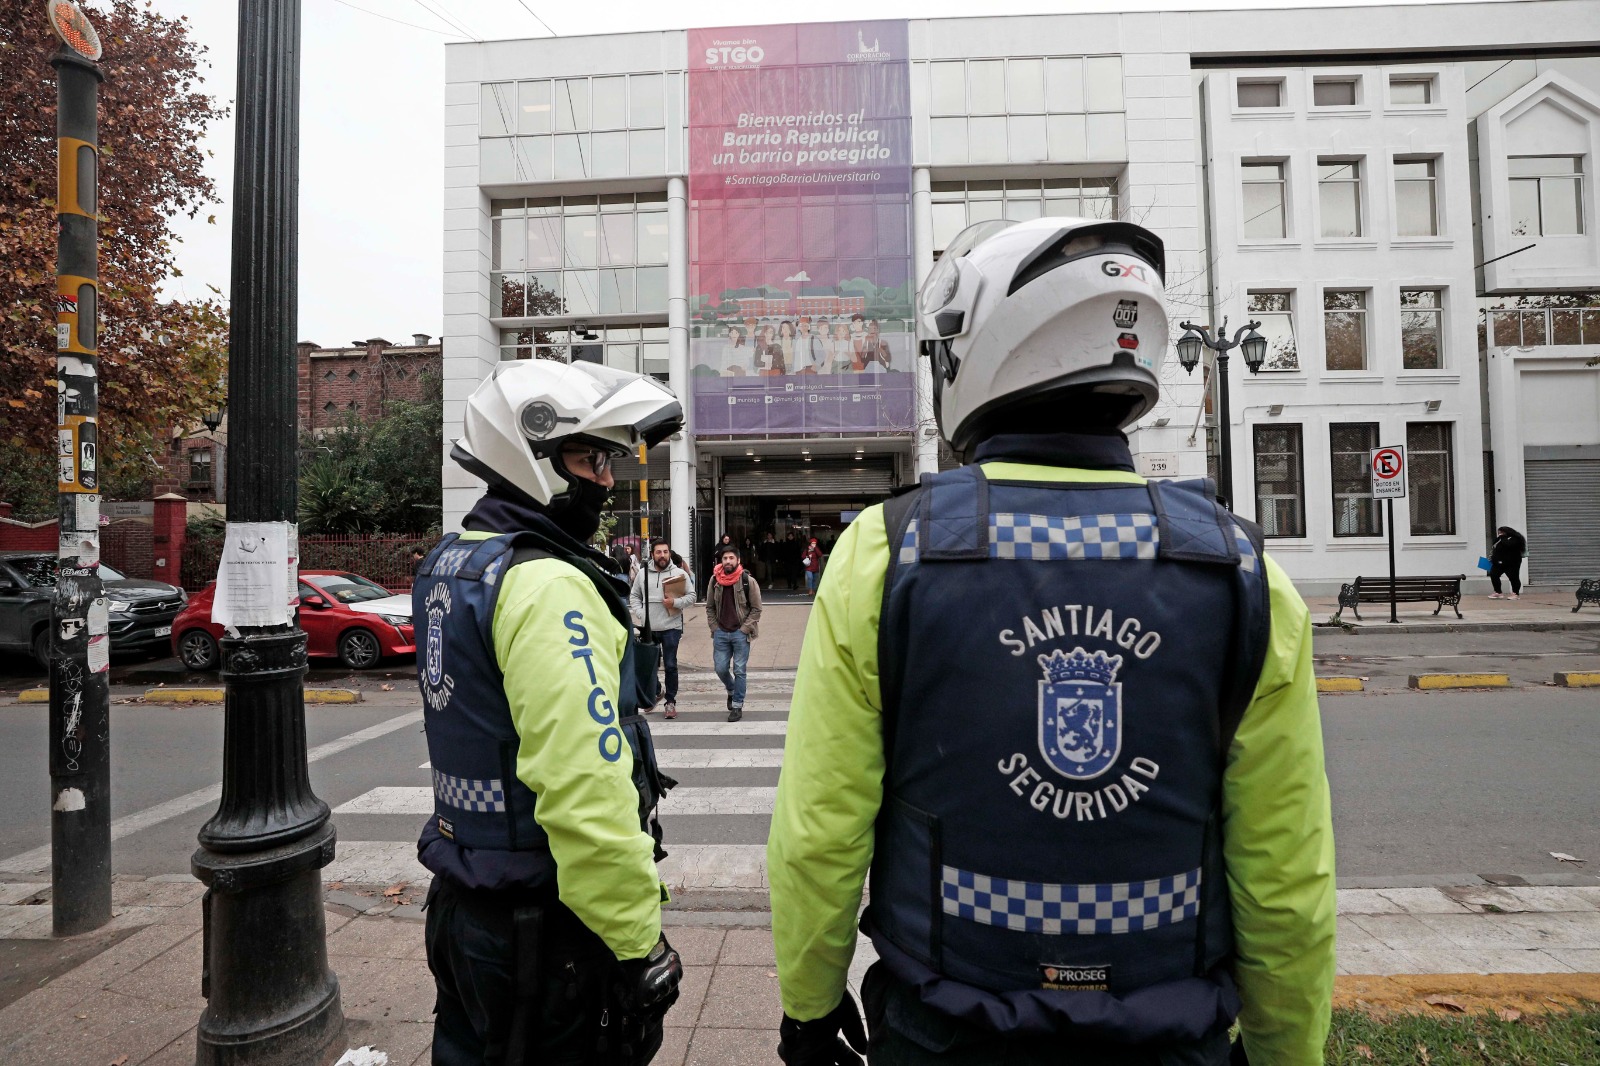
pixel 1389 473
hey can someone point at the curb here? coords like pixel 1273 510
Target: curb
pixel 1540 993
pixel 1340 684
pixel 34 695
pixel 1574 680
pixel 1385 629
pixel 1436 682
pixel 215 695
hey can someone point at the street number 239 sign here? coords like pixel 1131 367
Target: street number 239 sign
pixel 1389 473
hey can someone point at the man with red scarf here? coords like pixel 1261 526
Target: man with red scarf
pixel 733 611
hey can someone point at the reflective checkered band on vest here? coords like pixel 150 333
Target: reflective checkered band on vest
pixel 1247 551
pixel 908 546
pixel 1029 907
pixel 470 794
pixel 1092 536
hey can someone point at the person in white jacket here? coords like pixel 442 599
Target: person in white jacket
pixel 665 610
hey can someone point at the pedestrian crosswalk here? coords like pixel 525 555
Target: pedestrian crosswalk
pixel 728 776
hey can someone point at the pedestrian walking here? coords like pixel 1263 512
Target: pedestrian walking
pixel 1065 717
pixel 544 915
pixel 812 559
pixel 792 553
pixel 661 593
pixel 1505 560
pixel 733 611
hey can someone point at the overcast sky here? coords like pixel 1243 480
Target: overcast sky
pixel 372 138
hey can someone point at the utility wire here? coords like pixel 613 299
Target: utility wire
pixel 536 17
pixel 449 20
pixel 390 18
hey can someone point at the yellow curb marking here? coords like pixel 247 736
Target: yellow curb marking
pixel 1442 681
pixel 215 695
pixel 34 695
pixel 1571 680
pixel 1527 992
pixel 1340 684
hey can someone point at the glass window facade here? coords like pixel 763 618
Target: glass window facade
pixel 1339 196
pixel 1350 447
pixel 1344 329
pixel 1280 480
pixel 641 349
pixel 958 204
pixel 565 129
pixel 1421 329
pixel 579 255
pixel 1416 198
pixel 1275 312
pixel 1059 108
pixel 1265 199
pixel 1431 481
pixel 1546 195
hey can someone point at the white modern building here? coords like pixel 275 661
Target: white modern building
pixel 1339 175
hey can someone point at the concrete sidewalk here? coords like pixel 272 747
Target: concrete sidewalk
pixel 1537 609
pixel 136 1003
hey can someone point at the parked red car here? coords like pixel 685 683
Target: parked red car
pixel 345 616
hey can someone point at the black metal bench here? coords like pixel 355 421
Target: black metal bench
pixel 1588 592
pixel 1444 589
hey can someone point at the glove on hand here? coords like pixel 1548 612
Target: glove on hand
pixel 651 983
pixel 828 1041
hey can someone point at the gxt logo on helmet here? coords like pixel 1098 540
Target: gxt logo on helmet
pixel 1113 269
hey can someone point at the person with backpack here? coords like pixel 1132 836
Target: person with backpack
pixel 1064 716
pixel 1505 560
pixel 733 611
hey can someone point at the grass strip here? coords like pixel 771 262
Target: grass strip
pixel 1503 1038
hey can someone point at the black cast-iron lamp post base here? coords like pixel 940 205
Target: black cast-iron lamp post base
pixel 261 858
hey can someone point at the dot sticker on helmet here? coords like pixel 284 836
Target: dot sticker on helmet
pixel 1126 314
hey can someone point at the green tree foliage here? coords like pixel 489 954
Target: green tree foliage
pixel 376 477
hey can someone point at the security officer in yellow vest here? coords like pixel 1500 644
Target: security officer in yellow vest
pixel 544 916
pixel 1065 716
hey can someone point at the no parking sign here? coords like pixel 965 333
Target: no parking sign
pixel 1389 473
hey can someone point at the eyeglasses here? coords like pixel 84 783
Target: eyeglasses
pixel 597 459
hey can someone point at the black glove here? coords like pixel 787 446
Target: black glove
pixel 650 984
pixel 828 1041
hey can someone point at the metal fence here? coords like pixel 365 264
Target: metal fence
pixel 386 559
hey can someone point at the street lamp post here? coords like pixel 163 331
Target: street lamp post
pixel 1194 340
pixel 271 999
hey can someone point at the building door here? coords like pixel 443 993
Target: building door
pixel 1563 520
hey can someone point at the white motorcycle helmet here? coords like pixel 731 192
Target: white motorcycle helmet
pixel 518 419
pixel 1061 313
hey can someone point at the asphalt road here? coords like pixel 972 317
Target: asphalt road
pixel 1428 788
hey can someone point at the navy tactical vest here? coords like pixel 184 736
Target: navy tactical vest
pixel 479 802
pixel 1063 667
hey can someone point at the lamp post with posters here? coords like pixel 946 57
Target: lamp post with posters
pixel 1194 340
pixel 79 643
pixel 271 998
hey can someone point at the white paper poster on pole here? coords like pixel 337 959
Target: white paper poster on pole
pixel 252 578
pixel 88 507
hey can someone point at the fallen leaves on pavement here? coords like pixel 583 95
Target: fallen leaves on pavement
pixel 1446 1002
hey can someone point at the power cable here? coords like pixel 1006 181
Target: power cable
pixel 390 18
pixel 536 17
pixel 449 20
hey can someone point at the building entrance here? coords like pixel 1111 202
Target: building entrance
pixel 790 521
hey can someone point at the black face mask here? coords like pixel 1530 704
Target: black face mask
pixel 577 511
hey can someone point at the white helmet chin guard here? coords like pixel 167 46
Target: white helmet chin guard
pixel 1017 314
pixel 524 411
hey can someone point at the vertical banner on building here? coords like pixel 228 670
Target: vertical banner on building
pixel 800 275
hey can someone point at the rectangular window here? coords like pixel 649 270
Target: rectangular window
pixel 1408 90
pixel 1344 329
pixel 1280 481
pixel 1339 195
pixel 1421 329
pixel 1431 483
pixel 496 117
pixel 200 467
pixel 959 204
pixel 1546 195
pixel 1335 92
pixel 559 241
pixel 1261 93
pixel 1416 198
pixel 1355 512
pixel 1275 312
pixel 949 88
pixel 533 107
pixel 1264 199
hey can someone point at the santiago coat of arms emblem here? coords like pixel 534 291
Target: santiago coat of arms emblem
pixel 1080 712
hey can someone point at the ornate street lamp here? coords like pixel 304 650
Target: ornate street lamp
pixel 213 418
pixel 1194 341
